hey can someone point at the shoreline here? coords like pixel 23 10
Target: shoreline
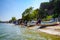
pixel 49 29
pixel 53 30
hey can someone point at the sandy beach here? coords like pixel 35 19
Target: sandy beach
pixel 54 30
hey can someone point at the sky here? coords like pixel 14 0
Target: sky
pixel 15 8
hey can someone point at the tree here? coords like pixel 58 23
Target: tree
pixel 12 19
pixel 49 8
pixel 56 4
pixel 34 14
pixel 43 10
pixel 26 14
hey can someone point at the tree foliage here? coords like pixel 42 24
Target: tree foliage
pixel 26 14
pixel 43 10
pixel 12 19
pixel 34 14
pixel 47 10
pixel 30 14
pixel 46 7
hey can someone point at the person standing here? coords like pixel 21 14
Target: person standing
pixel 25 23
pixel 38 22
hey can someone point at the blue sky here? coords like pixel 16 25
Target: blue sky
pixel 15 8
